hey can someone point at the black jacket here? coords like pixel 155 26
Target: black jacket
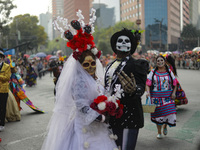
pixel 132 113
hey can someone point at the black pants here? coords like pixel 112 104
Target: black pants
pixel 3 102
pixel 127 138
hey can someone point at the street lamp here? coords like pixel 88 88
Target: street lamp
pixel 138 21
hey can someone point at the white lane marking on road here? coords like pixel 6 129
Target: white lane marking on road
pixel 17 141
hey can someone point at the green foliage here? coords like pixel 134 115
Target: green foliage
pixel 5 9
pixel 29 30
pixel 102 36
pixel 189 37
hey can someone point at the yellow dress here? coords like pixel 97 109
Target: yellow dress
pixel 12 109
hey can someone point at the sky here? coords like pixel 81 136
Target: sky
pixel 33 7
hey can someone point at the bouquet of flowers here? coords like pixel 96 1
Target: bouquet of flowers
pixel 109 105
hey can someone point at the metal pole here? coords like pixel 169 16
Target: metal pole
pixel 138 11
pixel 160 35
pixel 16 37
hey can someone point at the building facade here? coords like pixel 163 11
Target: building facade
pixel 105 16
pixel 71 7
pixel 161 19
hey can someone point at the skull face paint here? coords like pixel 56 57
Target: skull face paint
pixel 89 64
pixel 123 44
pixel 160 62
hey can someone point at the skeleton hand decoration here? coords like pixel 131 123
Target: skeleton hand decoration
pixel 128 84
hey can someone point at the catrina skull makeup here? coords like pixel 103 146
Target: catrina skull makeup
pixel 123 44
pixel 89 64
pixel 160 62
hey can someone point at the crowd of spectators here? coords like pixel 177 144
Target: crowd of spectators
pixel 182 60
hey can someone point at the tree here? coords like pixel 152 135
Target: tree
pixel 25 28
pixel 189 36
pixel 5 9
pixel 102 36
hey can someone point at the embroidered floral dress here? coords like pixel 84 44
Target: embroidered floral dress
pixel 165 112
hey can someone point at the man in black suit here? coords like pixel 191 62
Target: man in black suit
pixel 131 74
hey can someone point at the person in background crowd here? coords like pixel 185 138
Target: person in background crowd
pixel 31 75
pixel 5 74
pixel 161 87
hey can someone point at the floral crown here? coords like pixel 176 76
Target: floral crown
pixel 80 39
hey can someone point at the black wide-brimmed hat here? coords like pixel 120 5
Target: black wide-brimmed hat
pixel 2 53
pixel 134 39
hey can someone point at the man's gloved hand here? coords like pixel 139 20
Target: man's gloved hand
pixel 128 83
pixel 103 118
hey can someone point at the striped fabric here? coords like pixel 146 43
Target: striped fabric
pixel 164 110
pixel 158 94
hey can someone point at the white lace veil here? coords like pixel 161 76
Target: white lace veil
pixel 60 128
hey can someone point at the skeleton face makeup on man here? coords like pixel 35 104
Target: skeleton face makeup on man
pixel 160 62
pixel 89 64
pixel 123 44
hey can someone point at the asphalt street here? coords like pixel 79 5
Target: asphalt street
pixel 29 133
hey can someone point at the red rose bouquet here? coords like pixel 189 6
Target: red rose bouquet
pixel 108 105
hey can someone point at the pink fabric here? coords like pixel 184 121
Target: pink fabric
pixel 175 82
pixel 148 82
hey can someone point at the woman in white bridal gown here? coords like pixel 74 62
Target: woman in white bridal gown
pixel 74 125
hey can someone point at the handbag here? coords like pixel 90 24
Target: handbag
pixel 148 107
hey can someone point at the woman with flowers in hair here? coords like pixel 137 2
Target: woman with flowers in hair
pixel 74 124
pixel 161 87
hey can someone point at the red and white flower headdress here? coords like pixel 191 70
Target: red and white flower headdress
pixel 81 38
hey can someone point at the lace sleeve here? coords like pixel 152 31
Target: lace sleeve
pixel 82 97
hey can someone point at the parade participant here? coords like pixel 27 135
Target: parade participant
pixel 31 75
pixel 131 74
pixel 4 88
pixel 17 87
pixel 12 110
pixel 74 125
pixel 56 68
pixel 161 87
pixel 181 98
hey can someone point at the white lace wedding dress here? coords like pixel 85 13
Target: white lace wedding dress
pixel 72 127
